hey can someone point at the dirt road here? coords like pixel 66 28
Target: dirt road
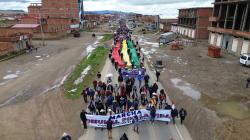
pixel 212 90
pixel 32 104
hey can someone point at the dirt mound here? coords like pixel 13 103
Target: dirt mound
pixel 43 117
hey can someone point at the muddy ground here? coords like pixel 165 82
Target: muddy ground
pixel 32 103
pixel 212 90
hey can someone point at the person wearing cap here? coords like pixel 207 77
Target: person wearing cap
pixel 102 112
pixel 110 112
pixel 65 136
pixel 83 118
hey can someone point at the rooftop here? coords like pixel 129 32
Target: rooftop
pixel 26 26
pixel 196 8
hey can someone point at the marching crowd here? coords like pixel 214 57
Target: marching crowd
pixel 107 98
pixel 128 94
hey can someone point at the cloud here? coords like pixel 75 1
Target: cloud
pixel 164 8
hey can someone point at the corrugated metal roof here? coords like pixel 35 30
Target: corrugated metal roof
pixel 30 26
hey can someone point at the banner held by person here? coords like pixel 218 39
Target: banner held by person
pixel 127 117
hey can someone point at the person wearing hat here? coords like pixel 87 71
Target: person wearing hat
pixel 65 136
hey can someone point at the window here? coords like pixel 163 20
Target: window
pixel 243 57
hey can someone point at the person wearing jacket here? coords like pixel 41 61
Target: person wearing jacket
pixel 182 114
pixel 174 114
pixel 109 128
pixel 83 118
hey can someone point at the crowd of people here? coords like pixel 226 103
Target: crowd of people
pixel 127 94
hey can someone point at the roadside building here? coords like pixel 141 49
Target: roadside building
pixel 55 17
pixel 16 38
pixel 165 24
pixel 230 28
pixel 193 22
pixel 152 21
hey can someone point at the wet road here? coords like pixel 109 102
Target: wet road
pixel 39 72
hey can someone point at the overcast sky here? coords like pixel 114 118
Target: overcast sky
pixel 164 8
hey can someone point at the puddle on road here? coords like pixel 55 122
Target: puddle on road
pixel 10 76
pixel 2 84
pixel 233 107
pixel 186 88
pixel 144 41
pixel 90 48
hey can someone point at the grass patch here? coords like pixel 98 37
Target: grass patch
pixel 107 37
pixel 96 61
pixel 86 30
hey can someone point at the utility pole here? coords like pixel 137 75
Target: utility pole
pixel 41 26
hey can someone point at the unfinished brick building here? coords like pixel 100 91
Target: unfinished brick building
pixel 193 22
pixel 165 24
pixel 55 16
pixel 230 28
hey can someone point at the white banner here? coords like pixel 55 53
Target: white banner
pixel 127 117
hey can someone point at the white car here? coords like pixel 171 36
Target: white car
pixel 245 59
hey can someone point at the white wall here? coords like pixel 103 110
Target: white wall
pixel 193 33
pixel 235 44
pixel 219 40
pixel 212 38
pixel 245 47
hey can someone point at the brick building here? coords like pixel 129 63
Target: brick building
pixel 149 19
pixel 165 24
pixel 55 16
pixel 93 20
pixel 193 22
pixel 230 28
pixel 15 38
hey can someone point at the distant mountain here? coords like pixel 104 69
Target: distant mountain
pixel 108 12
pixel 12 11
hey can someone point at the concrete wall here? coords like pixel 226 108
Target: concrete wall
pixel 188 32
pixel 234 45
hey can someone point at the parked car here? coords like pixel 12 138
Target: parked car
pixel 245 59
